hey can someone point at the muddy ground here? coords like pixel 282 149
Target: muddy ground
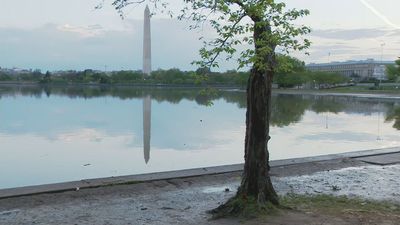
pixel 185 201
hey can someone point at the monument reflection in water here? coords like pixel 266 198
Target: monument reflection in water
pixel 146 127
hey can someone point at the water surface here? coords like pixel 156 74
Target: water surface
pixel 61 134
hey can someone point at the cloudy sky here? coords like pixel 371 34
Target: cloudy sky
pixel 70 34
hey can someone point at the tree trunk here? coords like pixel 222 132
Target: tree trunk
pixel 256 181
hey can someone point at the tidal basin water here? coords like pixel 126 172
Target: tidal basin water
pixel 59 134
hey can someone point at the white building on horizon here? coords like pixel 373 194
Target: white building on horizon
pixel 360 70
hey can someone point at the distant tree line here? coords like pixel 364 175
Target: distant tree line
pixel 291 73
pixel 28 76
pixel 171 76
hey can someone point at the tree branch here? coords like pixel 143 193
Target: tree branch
pixel 223 43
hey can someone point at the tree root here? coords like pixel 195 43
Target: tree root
pixel 242 206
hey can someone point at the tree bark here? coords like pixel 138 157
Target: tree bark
pixel 256 181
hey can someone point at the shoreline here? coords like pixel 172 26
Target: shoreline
pixel 190 173
pixel 195 86
pixel 328 92
pixel 320 92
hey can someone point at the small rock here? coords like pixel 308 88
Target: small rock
pixel 336 188
pixel 143 208
pixel 227 190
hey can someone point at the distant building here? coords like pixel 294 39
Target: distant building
pixel 14 71
pixel 360 70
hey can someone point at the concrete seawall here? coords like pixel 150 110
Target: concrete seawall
pixel 375 156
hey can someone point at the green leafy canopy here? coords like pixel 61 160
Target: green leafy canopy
pixel 393 71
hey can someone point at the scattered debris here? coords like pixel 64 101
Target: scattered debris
pixel 6 213
pixel 353 181
pixel 336 188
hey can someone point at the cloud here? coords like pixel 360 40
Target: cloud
pixel 88 31
pixel 68 46
pixel 321 50
pixel 352 44
pixel 85 134
pixel 350 34
pixel 352 51
pixel 337 46
pixel 54 46
pixel 394 33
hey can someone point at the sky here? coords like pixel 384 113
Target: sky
pixel 71 34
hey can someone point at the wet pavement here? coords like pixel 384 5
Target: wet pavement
pixel 385 159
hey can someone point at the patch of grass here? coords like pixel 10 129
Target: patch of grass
pixel 338 204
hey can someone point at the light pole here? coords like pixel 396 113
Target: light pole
pixel 378 138
pixel 329 57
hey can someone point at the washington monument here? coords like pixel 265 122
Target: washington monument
pixel 147 72
pixel 146 42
